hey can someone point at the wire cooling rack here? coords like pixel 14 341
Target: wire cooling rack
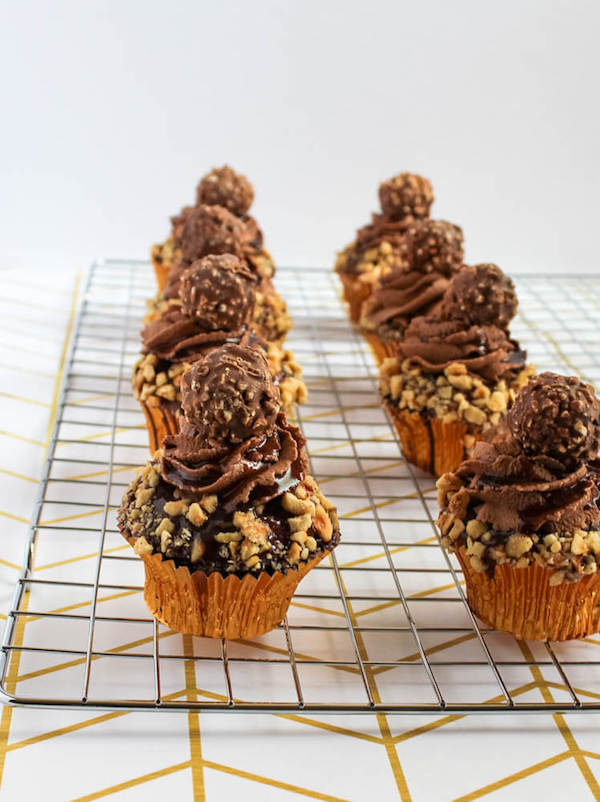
pixel 383 626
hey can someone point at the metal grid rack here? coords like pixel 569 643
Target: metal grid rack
pixel 382 627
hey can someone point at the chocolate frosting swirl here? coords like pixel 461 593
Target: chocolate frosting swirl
pixel 255 471
pixel 486 350
pixel 177 338
pixel 206 458
pixel 517 492
pixel 401 296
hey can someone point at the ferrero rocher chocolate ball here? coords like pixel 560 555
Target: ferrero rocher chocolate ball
pixel 229 395
pixel 405 195
pixel 218 292
pixel 435 246
pixel 224 187
pixel 481 295
pixel 211 229
pixel 557 416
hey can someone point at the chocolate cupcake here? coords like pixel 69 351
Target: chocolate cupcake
pixel 216 304
pixel 434 253
pixel 380 247
pixel 228 230
pixel 456 372
pixel 227 518
pixel 523 515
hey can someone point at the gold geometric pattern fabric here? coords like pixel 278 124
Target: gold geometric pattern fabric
pixel 95 754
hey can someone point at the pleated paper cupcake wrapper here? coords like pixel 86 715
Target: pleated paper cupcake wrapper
pixel 523 602
pixel 356 293
pixel 160 421
pixel 429 443
pixel 161 271
pixel 381 349
pixel 208 605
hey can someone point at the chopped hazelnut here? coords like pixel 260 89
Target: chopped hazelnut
pixel 141 546
pixel 176 508
pixel 209 503
pixel 198 549
pixel 517 545
pixel 196 514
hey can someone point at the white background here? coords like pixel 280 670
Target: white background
pixel 112 110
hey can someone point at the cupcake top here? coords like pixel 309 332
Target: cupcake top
pixel 216 303
pixel 222 186
pixel 466 329
pixel 534 492
pixel 231 492
pixel 208 230
pixel 381 244
pixel 434 252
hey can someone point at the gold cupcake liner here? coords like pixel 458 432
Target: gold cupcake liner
pixel 210 606
pixel 355 294
pixel 523 602
pixel 160 422
pixel 161 271
pixel 429 443
pixel 381 349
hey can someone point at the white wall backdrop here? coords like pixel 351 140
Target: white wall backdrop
pixel 112 110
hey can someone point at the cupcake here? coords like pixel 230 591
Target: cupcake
pixel 215 230
pixel 523 515
pixel 227 190
pixel 381 246
pixel 434 253
pixel 226 517
pixel 456 372
pixel 216 304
